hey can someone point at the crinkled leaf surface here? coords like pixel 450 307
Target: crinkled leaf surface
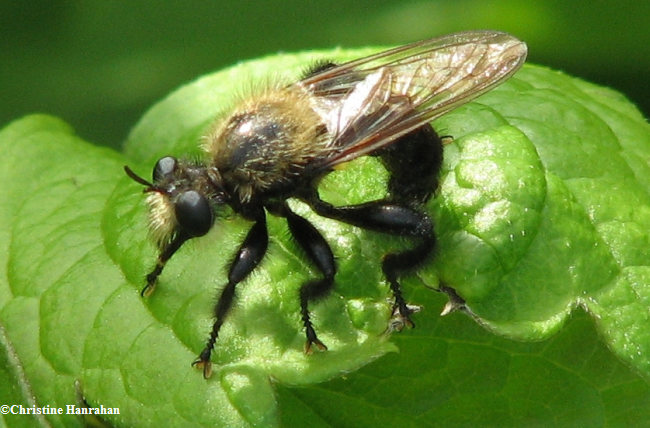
pixel 542 217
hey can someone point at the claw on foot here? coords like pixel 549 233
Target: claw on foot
pixel 312 339
pixel 203 362
pixel 320 345
pixel 148 289
pixel 402 317
pixel 206 366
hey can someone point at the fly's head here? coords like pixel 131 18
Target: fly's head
pixel 182 199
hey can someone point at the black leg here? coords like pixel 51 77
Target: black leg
pixel 385 216
pixel 414 162
pixel 163 257
pixel 248 256
pixel 319 252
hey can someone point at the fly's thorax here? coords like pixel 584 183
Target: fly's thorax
pixel 266 143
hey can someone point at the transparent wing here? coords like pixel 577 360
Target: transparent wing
pixel 368 103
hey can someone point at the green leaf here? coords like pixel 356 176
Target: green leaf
pixel 554 211
pixel 543 208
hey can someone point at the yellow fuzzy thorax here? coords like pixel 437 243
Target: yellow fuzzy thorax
pixel 254 162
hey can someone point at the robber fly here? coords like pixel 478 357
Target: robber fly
pixel 280 143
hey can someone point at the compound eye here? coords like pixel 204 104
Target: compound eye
pixel 193 213
pixel 164 168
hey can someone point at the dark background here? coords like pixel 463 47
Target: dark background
pixel 99 65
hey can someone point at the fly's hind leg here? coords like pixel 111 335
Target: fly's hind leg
pixel 388 217
pixel 414 163
pixel 396 264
